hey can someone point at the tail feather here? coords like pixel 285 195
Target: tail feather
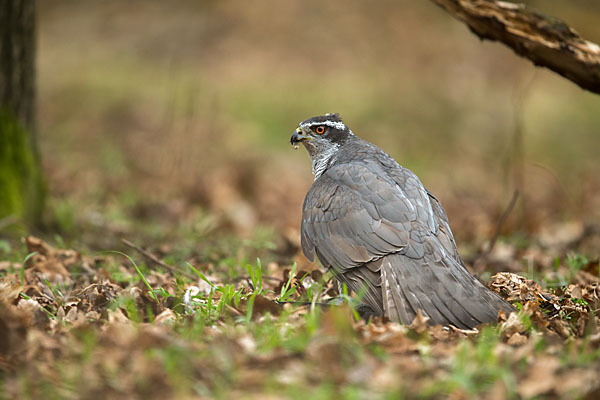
pixel 366 283
pixel 444 306
pixel 395 305
pixel 447 293
pixel 483 304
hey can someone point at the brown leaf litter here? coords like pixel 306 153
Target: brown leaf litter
pixel 71 321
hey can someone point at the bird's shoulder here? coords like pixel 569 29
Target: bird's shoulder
pixel 363 168
pixel 365 177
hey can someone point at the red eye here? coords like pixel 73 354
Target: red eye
pixel 320 130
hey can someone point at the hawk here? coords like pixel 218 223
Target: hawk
pixel 383 234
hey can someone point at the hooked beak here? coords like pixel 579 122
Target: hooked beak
pixel 298 137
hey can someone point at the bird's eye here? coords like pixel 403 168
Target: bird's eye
pixel 320 130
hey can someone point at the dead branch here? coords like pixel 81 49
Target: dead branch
pixel 546 41
pixel 156 260
pixel 264 277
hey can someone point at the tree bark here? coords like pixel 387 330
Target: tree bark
pixel 546 41
pixel 21 183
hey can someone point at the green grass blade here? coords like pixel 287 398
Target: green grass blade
pixel 139 272
pixel 23 266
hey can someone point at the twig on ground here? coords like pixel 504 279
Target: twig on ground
pixel 234 310
pixel 265 277
pixel 156 260
pixel 305 303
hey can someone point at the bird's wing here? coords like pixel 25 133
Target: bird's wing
pixel 444 234
pixel 355 213
pixel 437 221
pixel 358 215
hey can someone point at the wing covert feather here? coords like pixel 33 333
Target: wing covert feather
pixel 371 215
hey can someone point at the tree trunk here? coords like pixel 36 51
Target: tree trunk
pixel 21 184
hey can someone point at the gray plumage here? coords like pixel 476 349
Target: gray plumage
pixel 383 234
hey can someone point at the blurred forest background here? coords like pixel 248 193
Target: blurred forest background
pixel 167 112
pixel 168 124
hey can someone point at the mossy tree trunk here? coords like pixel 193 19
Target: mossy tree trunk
pixel 21 184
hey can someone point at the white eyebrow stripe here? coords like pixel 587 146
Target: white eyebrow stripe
pixel 332 124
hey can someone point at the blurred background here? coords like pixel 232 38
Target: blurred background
pixel 163 118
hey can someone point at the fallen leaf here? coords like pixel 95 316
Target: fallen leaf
pixel 420 323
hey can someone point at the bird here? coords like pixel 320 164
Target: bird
pixel 372 223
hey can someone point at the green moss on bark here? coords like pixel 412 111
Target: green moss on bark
pixel 22 188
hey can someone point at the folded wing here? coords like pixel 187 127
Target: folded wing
pixel 388 238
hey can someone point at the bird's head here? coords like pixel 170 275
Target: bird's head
pixel 321 135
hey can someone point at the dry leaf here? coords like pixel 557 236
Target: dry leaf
pixel 420 322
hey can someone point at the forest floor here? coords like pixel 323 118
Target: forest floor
pixel 164 323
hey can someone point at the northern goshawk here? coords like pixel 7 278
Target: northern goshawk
pixel 383 234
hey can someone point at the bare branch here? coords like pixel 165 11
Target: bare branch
pixel 546 41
